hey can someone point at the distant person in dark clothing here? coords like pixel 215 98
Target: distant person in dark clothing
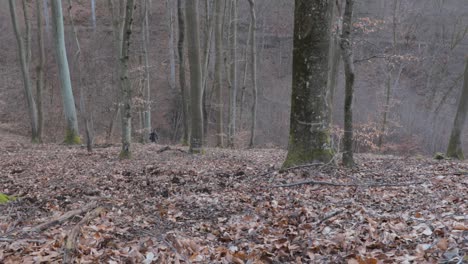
pixel 153 136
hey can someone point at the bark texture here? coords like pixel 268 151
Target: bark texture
pixel 309 138
pixel 72 133
pixel 219 71
pixel 454 149
pixel 183 88
pixel 22 53
pixel 196 91
pixel 233 77
pixel 253 63
pixel 125 85
pixel 347 51
pixel 40 83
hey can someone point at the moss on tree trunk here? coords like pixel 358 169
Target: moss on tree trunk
pixel 309 136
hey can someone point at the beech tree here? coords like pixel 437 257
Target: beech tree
pixel 183 88
pixel 455 149
pixel 72 133
pixel 125 85
pixel 309 136
pixel 253 63
pixel 23 55
pixel 218 13
pixel 40 83
pixel 233 75
pixel 347 51
pixel 196 91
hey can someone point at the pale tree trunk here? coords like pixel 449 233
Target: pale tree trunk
pixel 218 71
pixel 309 136
pixel 347 51
pixel 87 115
pixel 193 43
pixel 45 6
pixel 183 89
pixel 454 149
pixel 27 33
pixel 244 78
pixel 147 87
pixel 93 13
pixel 72 133
pixel 233 76
pixel 206 62
pixel 26 76
pixel 40 84
pixel 125 85
pixel 254 72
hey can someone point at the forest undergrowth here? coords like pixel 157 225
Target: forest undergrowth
pixel 226 206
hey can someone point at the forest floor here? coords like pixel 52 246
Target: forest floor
pixel 225 207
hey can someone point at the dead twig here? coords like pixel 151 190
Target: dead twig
pixel 70 244
pixel 29 240
pixel 333 214
pixel 348 184
pixel 62 218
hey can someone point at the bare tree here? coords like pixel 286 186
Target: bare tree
pixel 72 133
pixel 22 53
pixel 233 75
pixel 254 71
pixel 454 149
pixel 183 89
pixel 40 83
pixel 125 85
pixel 147 88
pixel 218 71
pixel 196 94
pixel 347 50
pixel 309 136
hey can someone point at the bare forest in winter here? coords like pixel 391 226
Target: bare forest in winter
pixel 233 131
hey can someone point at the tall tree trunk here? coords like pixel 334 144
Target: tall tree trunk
pixel 454 149
pixel 335 56
pixel 40 84
pixel 93 13
pixel 347 51
pixel 233 76
pixel 147 87
pixel 309 136
pixel 27 33
pixel 193 43
pixel 45 6
pixel 170 20
pixel 78 66
pixel 72 133
pixel 254 72
pixel 22 53
pixel 218 71
pixel 125 85
pixel 244 78
pixel 183 89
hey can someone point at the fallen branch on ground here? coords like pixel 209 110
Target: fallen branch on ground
pixel 70 244
pixel 348 184
pixel 62 218
pixel 166 148
pixel 29 240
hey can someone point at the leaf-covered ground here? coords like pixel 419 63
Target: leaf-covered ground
pixel 173 207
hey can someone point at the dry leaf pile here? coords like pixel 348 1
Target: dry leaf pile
pixel 220 207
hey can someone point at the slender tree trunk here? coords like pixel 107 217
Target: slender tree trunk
pixel 206 62
pixel 93 13
pixel 218 71
pixel 454 149
pixel 27 33
pixel 40 84
pixel 72 133
pixel 233 73
pixel 193 43
pixel 244 78
pixel 183 89
pixel 125 85
pixel 347 51
pixel 22 53
pixel 170 20
pixel 45 6
pixel 78 65
pixel 147 87
pixel 254 72
pixel 309 139
pixel 335 56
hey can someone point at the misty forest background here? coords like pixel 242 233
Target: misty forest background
pixel 417 83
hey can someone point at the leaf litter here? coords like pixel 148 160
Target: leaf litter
pixel 220 207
